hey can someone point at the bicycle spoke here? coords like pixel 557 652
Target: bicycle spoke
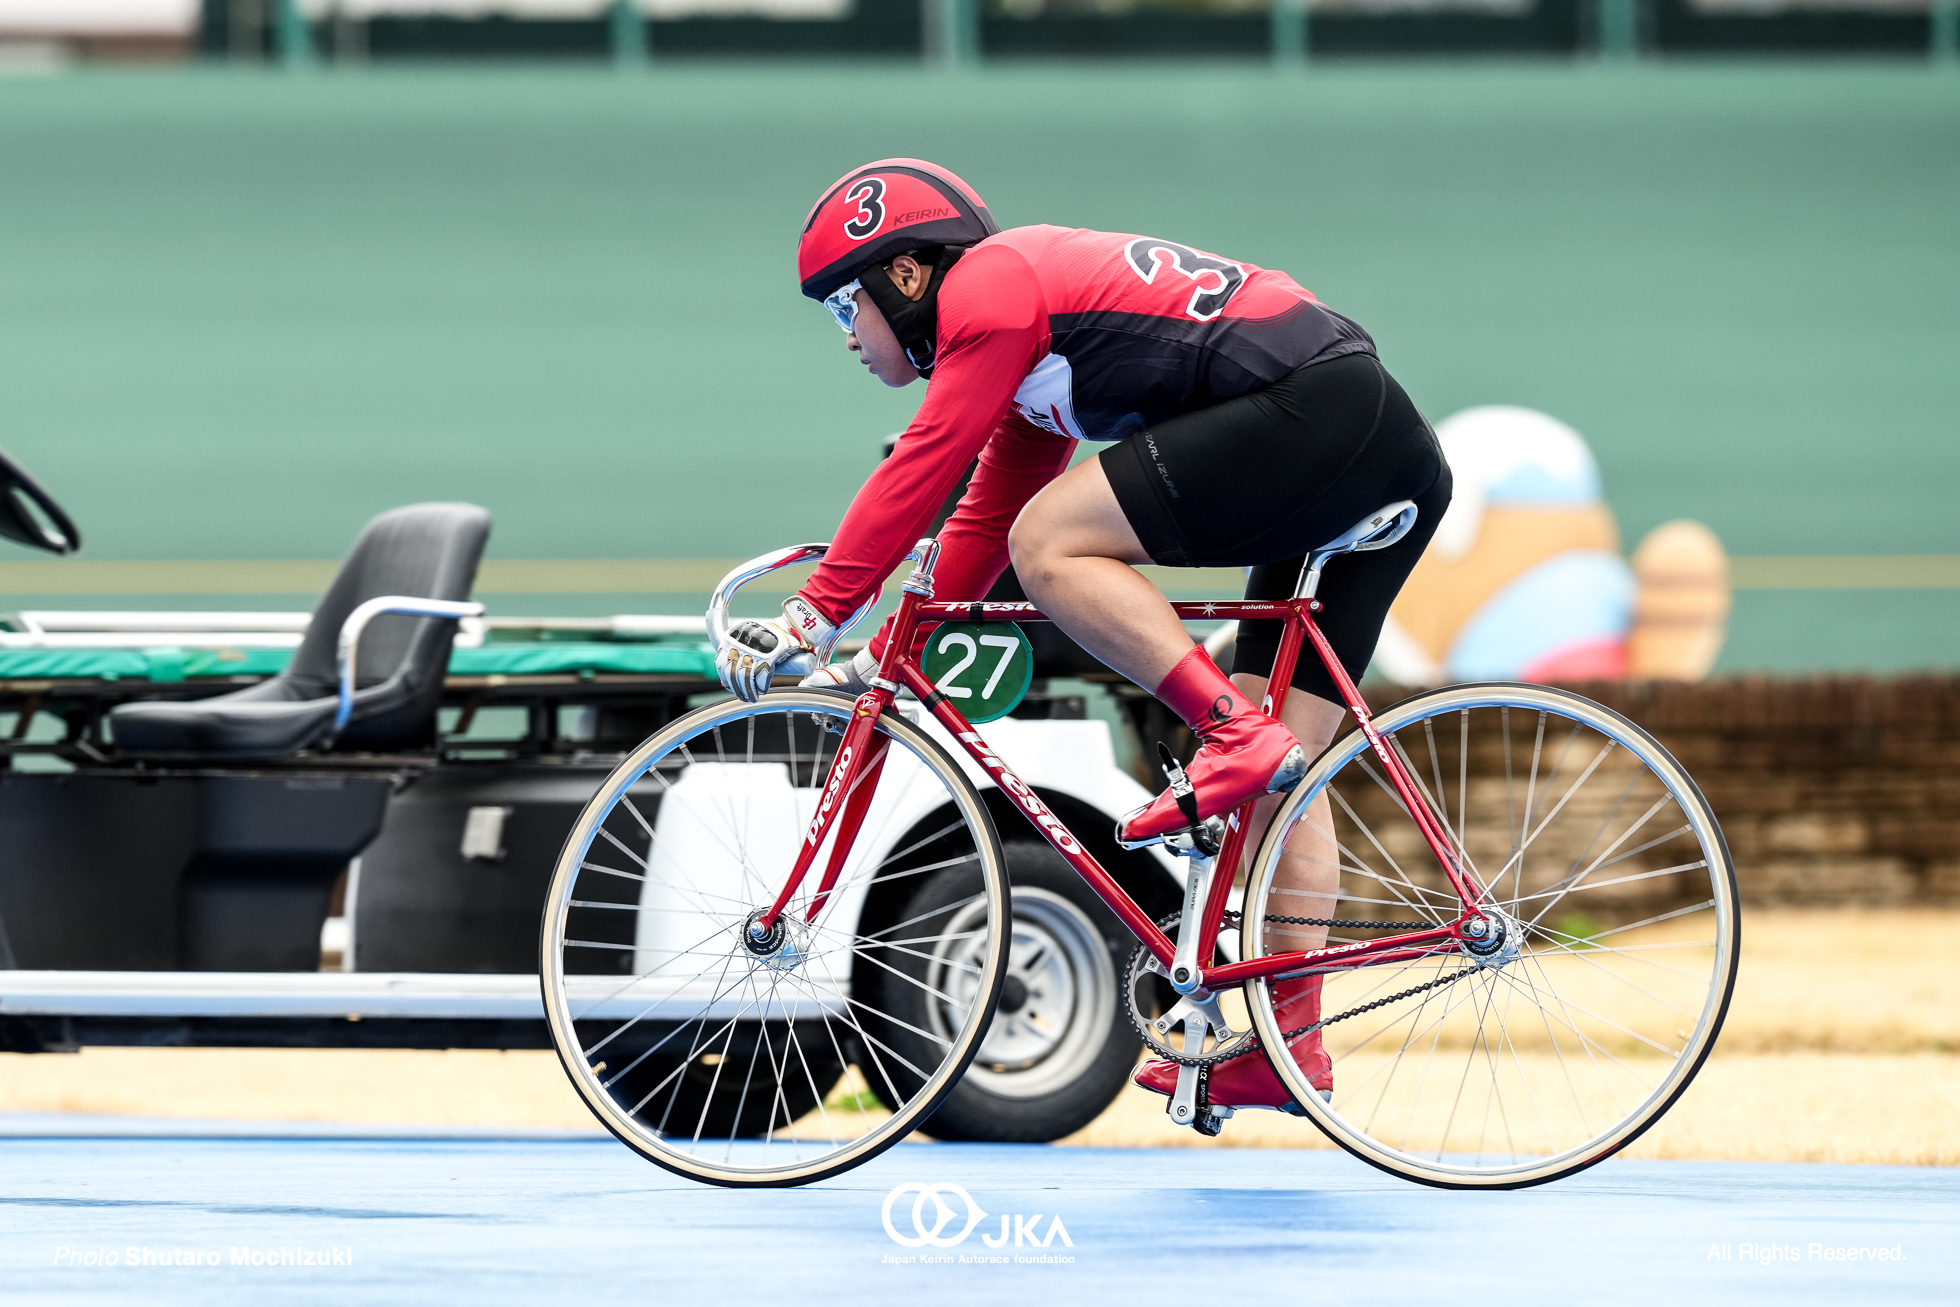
pixel 1559 890
pixel 1402 877
pixel 732 1055
pixel 1598 980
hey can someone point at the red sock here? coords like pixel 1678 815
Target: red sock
pixel 1202 695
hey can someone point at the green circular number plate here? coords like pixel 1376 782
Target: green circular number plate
pixel 983 668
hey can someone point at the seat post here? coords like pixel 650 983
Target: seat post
pixel 1310 573
pixel 1378 530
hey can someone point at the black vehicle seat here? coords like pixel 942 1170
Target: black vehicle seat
pixel 429 551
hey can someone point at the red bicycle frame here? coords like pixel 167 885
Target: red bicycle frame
pixel 860 757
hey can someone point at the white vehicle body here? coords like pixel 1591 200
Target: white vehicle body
pixel 1073 759
pixel 1062 759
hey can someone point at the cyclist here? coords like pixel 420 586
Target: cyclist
pixel 1245 424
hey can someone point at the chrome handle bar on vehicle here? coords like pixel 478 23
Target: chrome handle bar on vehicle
pixel 357 621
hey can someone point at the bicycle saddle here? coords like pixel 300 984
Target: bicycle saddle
pixel 1378 530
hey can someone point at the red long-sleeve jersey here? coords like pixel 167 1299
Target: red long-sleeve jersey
pixel 1047 336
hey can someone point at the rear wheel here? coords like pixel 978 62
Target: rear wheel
pixel 1572 1027
pixel 745 1062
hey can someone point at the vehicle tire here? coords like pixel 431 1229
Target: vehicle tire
pixel 749 1063
pixel 1567 1031
pixel 1060 1047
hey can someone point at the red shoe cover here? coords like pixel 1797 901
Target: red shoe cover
pixel 1250 1081
pixel 1202 695
pixel 1243 751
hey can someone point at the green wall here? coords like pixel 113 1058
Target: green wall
pixel 240 311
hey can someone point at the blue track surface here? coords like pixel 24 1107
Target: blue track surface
pixel 490 1220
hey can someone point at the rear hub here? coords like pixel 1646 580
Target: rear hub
pixel 1492 939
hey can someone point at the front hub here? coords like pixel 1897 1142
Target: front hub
pixel 782 947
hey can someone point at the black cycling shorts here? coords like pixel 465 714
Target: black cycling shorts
pixel 1260 480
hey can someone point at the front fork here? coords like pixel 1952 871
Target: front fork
pixel 860 758
pixel 847 794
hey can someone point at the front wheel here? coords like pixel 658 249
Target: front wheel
pixel 1599 988
pixel 770 1062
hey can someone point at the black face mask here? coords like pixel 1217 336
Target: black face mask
pixel 914 322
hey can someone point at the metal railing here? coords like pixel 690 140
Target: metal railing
pixel 952 33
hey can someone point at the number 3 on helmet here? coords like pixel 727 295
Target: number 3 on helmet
pixel 873 214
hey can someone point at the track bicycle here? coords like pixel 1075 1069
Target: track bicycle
pixel 778 935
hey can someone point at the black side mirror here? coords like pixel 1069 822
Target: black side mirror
pixel 29 515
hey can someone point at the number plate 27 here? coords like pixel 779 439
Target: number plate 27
pixel 982 667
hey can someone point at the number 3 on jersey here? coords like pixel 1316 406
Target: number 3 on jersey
pixel 1217 279
pixel 983 667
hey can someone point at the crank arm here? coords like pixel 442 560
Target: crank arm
pixel 1186 974
pixel 1183 1107
pixel 1184 1103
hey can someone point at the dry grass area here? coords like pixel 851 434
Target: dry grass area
pixel 1843 1045
pixel 1846 982
pixel 1779 1107
pixel 1840 1046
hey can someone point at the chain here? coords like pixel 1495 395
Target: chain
pixel 1437 983
pixel 1205 1061
pixel 1232 918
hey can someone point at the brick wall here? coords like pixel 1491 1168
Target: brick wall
pixel 1831 790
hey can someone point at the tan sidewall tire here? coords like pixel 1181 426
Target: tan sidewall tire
pixel 551 974
pixel 1721 868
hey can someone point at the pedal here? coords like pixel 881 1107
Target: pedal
pixel 1196 842
pixel 1211 1121
pixel 1199 839
pixel 1203 842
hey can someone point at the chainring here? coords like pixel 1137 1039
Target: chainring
pixel 1143 964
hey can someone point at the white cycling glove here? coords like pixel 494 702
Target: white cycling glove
pixel 853 674
pixel 795 644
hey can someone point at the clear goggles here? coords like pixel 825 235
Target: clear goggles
pixel 843 305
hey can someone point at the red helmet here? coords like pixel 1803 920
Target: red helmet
pixel 875 213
